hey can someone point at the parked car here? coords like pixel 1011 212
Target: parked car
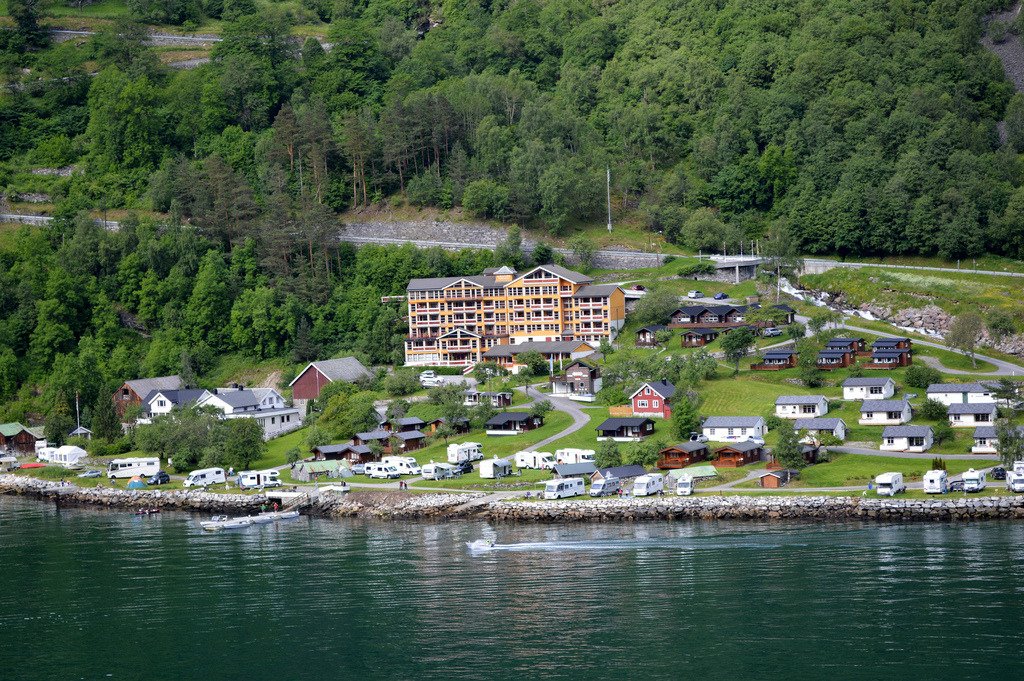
pixel 698 437
pixel 359 469
pixel 695 294
pixel 160 478
pixel 771 332
pixel 463 467
pixel 998 473
pixel 93 473
pixel 956 486
pixel 720 296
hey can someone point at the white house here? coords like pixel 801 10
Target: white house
pixel 986 441
pixel 968 414
pixel 263 404
pixel 800 406
pixel 884 412
pixel 906 439
pixel 733 428
pixel 817 427
pixel 161 402
pixel 965 393
pixel 868 388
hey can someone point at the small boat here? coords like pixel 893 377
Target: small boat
pixel 261 519
pixel 222 522
pixel 480 545
pixel 281 515
pixel 147 511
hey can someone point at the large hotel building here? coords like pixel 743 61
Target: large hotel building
pixel 453 321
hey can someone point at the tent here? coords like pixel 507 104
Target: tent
pixel 136 483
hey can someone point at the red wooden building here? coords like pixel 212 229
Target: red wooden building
pixel 317 375
pixel 653 399
pixel 698 338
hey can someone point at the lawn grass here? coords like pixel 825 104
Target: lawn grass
pixel 845 470
pixel 277 449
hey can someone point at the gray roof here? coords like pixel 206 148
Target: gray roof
pixel 779 352
pixel 336 449
pixel 906 431
pixel 567 469
pixel 543 347
pixel 800 399
pixel 741 446
pixel 824 423
pixel 596 291
pixel 663 388
pixel 689 446
pixel 410 435
pixel 653 328
pixel 957 388
pixel 700 331
pixel 507 417
pixel 374 435
pixel 144 386
pixel 990 431
pixel 732 422
pixel 622 472
pixel 971 408
pixel 843 341
pixel 177 397
pixel 239 398
pixel 882 405
pixel 409 421
pixel 563 272
pixel 431 283
pixel 625 422
pixel 889 352
pixel 832 353
pixel 347 369
pixel 888 342
pixel 866 382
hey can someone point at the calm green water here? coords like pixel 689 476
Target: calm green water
pixel 94 594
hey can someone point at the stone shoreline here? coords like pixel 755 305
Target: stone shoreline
pixel 399 506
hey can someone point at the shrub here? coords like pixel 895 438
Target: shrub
pixel 773 422
pixel 796 331
pixel 402 382
pixel 942 432
pixel 425 189
pixel 998 31
pixel 938 464
pixel 486 199
pixel 933 410
pixel 611 396
pixel 921 376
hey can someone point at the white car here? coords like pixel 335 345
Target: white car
pixel 694 294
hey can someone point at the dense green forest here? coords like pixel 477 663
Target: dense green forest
pixel 845 126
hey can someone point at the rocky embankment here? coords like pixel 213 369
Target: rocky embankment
pixel 399 506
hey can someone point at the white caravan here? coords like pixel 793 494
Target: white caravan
pixel 380 471
pixel 204 477
pixel 605 486
pixel 684 486
pixel 646 485
pixel 536 460
pixel 571 455
pixel 465 451
pixel 890 484
pixel 564 487
pixel 936 482
pixel 974 481
pixel 1015 481
pixel 406 465
pixel 129 468
pixel 268 478
pixel 438 471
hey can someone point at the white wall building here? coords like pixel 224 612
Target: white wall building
pixel 885 413
pixel 969 415
pixel 265 405
pixel 801 406
pixel 733 428
pixel 868 388
pixel 962 393
pixel 906 439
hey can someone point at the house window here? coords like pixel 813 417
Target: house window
pixel 915 441
pixel 808 409
pixel 161 403
pixel 654 404
pixel 711 431
pixel 890 440
pixel 743 431
pixel 982 441
pixel 730 431
pixel 895 414
pixel 875 390
pixel 956 417
pixel 641 404
pixel 869 415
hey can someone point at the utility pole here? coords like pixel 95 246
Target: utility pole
pixel 608 170
pixel 78 415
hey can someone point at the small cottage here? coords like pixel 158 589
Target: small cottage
pixel 952 393
pixel 776 360
pixel 347 452
pixel 646 337
pixel 971 414
pixel 498 400
pixel 738 454
pixel 682 455
pixel 868 388
pixel 625 429
pixel 733 428
pixel 777 479
pixel 698 338
pixel 653 399
pixel 906 439
pixel 15 437
pixel 889 359
pixel 800 406
pixel 580 382
pixel 884 412
pixel 855 345
pixel 829 359
pixel 893 343
pixel 817 427
pixel 512 423
pixel 311 471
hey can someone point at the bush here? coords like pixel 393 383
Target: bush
pixel 402 382
pixel 998 31
pixel 699 267
pixel 796 331
pixel 611 396
pixel 486 199
pixel 942 432
pixel 933 410
pixel 425 189
pixel 773 422
pixel 919 376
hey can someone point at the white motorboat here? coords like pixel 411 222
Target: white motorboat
pixel 261 519
pixel 480 545
pixel 222 522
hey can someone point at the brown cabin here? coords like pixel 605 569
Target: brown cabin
pixel 698 338
pixel 776 360
pixel 738 454
pixel 347 452
pixel 857 346
pixel 890 359
pixel 647 336
pixel 682 455
pixel 777 479
pixel 835 359
pixel 16 438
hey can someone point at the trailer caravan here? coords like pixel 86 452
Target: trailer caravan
pixel 495 468
pixel 465 451
pixel 605 486
pixel 571 455
pixel 252 479
pixel 204 477
pixel 974 481
pixel 684 486
pixel 936 482
pixel 535 460
pixel 649 484
pixel 438 471
pixel 564 487
pixel 129 468
pixel 890 484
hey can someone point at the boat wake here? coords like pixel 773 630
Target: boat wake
pixel 482 546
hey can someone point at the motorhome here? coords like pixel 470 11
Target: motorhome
pixel 406 465
pixel 890 484
pixel 465 451
pixel 250 479
pixel 571 455
pixel 564 487
pixel 381 471
pixel 129 468
pixel 974 481
pixel 936 482
pixel 204 477
pixel 1015 481
pixel 684 486
pixel 438 471
pixel 1018 466
pixel 645 485
pixel 605 486
pixel 535 460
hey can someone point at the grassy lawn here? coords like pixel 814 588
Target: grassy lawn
pixel 277 449
pixel 856 469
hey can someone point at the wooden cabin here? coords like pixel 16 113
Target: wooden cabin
pixel 776 360
pixel 647 336
pixel 738 454
pixel 698 338
pixel 858 346
pixel 682 455
pixel 890 359
pixel 835 359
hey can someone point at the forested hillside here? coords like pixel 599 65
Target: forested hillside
pixel 851 126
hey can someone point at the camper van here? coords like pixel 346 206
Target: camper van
pixel 129 468
pixel 571 455
pixel 974 481
pixel 645 485
pixel 536 460
pixel 684 486
pixel 890 484
pixel 564 487
pixel 438 471
pixel 204 477
pixel 465 451
pixel 605 486
pixel 406 465
pixel 381 471
pixel 1018 466
pixel 1015 481
pixel 250 479
pixel 936 482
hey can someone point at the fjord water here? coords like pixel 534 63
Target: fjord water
pixel 96 594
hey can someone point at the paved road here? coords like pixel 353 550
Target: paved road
pixel 579 417
pixel 857 265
